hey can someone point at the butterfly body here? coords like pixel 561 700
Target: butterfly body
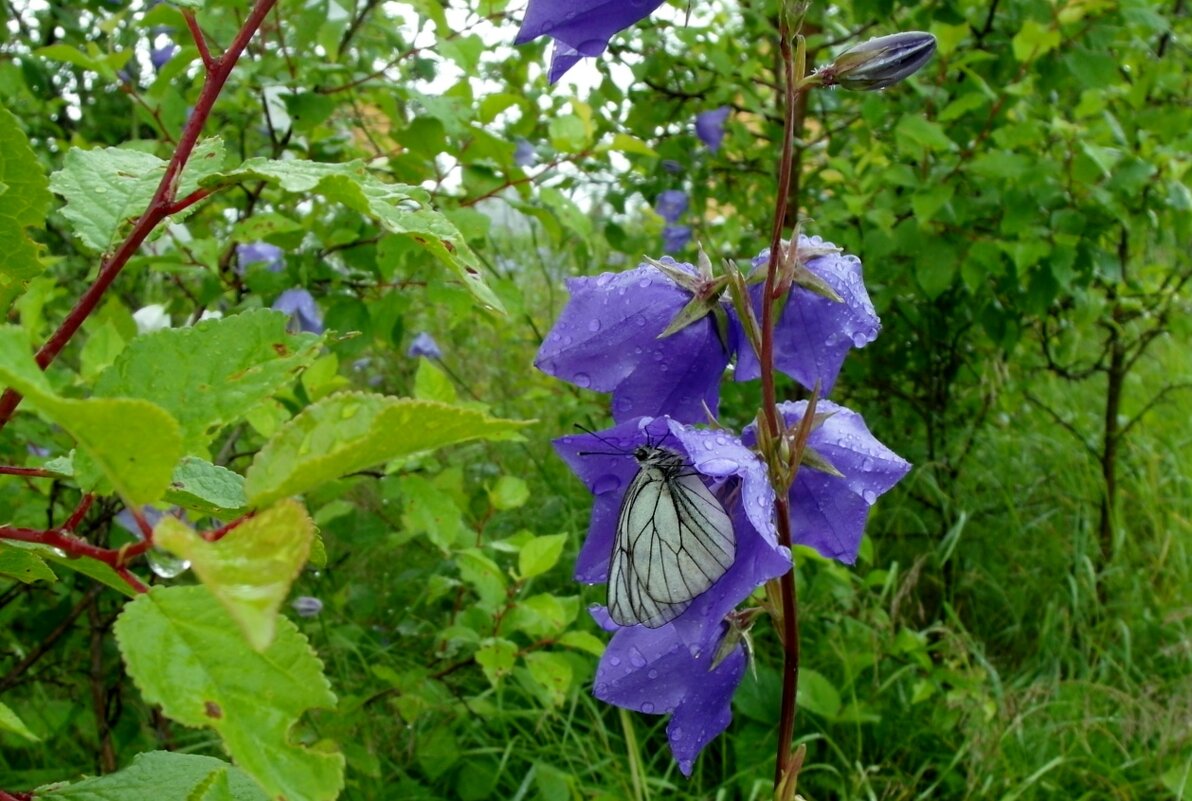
pixel 673 541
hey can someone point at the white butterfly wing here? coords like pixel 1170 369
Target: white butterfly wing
pixel 674 540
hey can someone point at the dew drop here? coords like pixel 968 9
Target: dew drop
pixel 870 496
pixel 652 673
pixel 566 339
pixel 614 660
pixel 636 658
pixel 583 380
pixel 645 282
pixel 606 484
pixel 165 565
pixel 648 708
pixel 594 325
pixel 866 463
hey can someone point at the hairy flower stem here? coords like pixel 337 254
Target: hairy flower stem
pixel 793 67
pixel 164 203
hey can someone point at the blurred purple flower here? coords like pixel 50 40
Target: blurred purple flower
pixel 159 56
pixel 303 310
pixel 672 166
pixel 671 204
pixel 814 333
pixel 670 669
pixel 37 450
pixel 675 237
pixel 307 606
pixel 709 126
pixel 828 512
pixel 524 154
pixel 425 346
pixel 606 339
pixel 152 516
pixel 579 27
pixel 271 256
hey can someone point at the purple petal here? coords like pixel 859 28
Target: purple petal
pixel 160 56
pixel 828 513
pixel 425 346
pixel 580 27
pixel 524 154
pixel 675 237
pixel 709 126
pixel 606 339
pixel 271 256
pixel 307 606
pixel 813 334
pixel 302 309
pixel 671 204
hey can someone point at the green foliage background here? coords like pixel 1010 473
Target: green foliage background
pixel 1018 625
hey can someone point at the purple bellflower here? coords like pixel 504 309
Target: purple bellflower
pixel 828 512
pixel 524 154
pixel 307 606
pixel 709 126
pixel 671 204
pixel 675 237
pixel 304 312
pixel 608 339
pixel 813 333
pixel 271 256
pixel 674 669
pixel 160 56
pixel 580 28
pixel 424 346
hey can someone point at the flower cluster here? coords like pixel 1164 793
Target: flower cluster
pixel 659 338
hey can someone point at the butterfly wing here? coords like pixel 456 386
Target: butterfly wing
pixel 674 540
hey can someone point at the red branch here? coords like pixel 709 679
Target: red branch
pixel 164 202
pixel 36 472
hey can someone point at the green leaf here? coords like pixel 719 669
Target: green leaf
pixel 817 695
pixel 24 201
pixel 161 775
pixel 510 492
pixel 437 751
pixel 213 373
pixel 540 554
pixel 203 487
pixel 1033 40
pixel 484 576
pixel 431 510
pixel 185 653
pixel 24 565
pixel 496 658
pixel 251 569
pixel 355 430
pixel 583 641
pixel 552 672
pixel 107 188
pixel 398 208
pixel 923 132
pixel 431 383
pixel 133 443
pixel 10 722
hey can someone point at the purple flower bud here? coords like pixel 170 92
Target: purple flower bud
pixel 880 62
pixel 675 237
pixel 158 56
pixel 303 310
pixel 709 126
pixel 307 606
pixel 425 346
pixel 579 27
pixel 271 256
pixel 524 155
pixel 671 204
pixel 672 166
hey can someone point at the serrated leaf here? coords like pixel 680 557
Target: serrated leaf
pixel 484 576
pixel 213 373
pixel 398 208
pixel 540 554
pixel 134 444
pixel 583 641
pixel 162 775
pixel 185 652
pixel 106 188
pixel 9 721
pixel 199 486
pixel 496 658
pixel 251 569
pixel 552 672
pixel 355 430
pixel 24 200
pixel 23 565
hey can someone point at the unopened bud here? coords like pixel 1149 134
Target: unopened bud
pixel 880 62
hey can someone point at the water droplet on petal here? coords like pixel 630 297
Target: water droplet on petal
pixel 866 463
pixel 719 466
pixel 606 484
pixel 583 380
pixel 614 660
pixel 653 674
pixel 636 658
pixel 645 282
pixel 648 708
pixel 594 325
pixel 870 496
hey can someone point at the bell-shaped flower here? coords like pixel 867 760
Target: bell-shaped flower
pixel 675 237
pixel 424 346
pixel 828 512
pixel 709 126
pixel 609 338
pixel 677 668
pixel 579 27
pixel 524 154
pixel 671 204
pixel 271 256
pixel 160 56
pixel 813 333
pixel 304 312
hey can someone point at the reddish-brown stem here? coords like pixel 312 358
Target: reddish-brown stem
pixel 79 513
pixel 196 33
pixel 161 206
pixel 35 472
pixel 219 533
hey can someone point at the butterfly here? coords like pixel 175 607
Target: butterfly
pixel 674 541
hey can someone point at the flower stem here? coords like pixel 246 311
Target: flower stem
pixel 786 765
pixel 163 204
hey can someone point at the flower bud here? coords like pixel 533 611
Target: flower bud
pixel 880 62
